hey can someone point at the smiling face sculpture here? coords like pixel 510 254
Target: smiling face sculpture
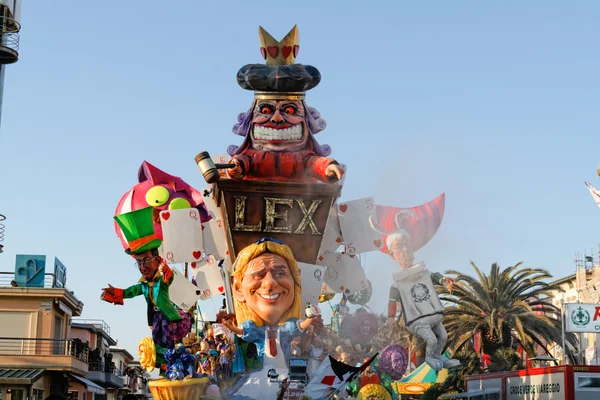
pixel 266 284
pixel 162 191
pixel 278 125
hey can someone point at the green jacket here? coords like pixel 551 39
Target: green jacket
pixel 160 295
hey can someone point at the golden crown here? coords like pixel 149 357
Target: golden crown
pixel 282 52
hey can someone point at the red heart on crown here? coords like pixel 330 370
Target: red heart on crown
pixel 339 240
pixel 197 254
pixel 286 51
pixel 166 215
pixel 320 258
pixel 343 208
pixel 263 51
pixel 193 265
pixel 377 243
pixel 273 50
pixel 227 253
pixel 296 50
pixel 221 288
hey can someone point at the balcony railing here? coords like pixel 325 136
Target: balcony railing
pixel 7 278
pixel 98 323
pixel 43 347
pixel 100 366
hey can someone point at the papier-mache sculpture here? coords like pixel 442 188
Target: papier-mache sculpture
pixel 161 191
pixel 414 289
pixel 168 323
pixel 279 128
pixel 267 294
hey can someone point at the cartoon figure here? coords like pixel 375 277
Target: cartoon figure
pixel 179 362
pixel 279 127
pixel 138 228
pixel 340 311
pixel 268 297
pixel 413 289
pixel 161 191
pixel 203 358
pixel 226 357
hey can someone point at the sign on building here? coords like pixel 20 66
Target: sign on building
pixel 60 274
pixel 538 387
pixel 582 318
pixel 30 270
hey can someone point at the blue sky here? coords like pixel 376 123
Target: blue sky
pixel 494 104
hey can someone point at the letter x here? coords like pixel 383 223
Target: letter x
pixel 307 219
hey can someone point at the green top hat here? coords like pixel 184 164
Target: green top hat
pixel 138 228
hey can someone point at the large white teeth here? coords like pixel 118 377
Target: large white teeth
pixel 264 133
pixel 273 297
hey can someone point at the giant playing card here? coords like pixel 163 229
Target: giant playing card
pixel 182 235
pixel 312 280
pixel 209 278
pixel 344 273
pixel 358 235
pixel 183 293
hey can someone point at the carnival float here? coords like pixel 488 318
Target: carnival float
pixel 269 235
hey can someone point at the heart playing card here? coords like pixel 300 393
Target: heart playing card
pixel 312 280
pixel 358 235
pixel 344 273
pixel 182 235
pixel 183 293
pixel 209 278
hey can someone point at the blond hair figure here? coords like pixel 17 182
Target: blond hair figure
pixel 268 298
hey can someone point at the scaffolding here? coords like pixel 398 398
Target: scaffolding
pixel 587 267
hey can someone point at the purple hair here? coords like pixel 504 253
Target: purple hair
pixel 313 121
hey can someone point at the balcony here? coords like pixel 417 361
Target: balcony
pixel 94 325
pixel 106 377
pixel 52 354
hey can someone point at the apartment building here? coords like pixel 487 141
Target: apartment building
pixel 47 348
pixel 580 287
pixel 38 354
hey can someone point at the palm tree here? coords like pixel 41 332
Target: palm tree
pixel 397 333
pixel 505 359
pixel 506 307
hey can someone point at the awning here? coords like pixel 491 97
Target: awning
pixel 420 380
pixel 19 376
pixel 91 386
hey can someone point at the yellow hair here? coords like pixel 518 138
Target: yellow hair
pixel 249 253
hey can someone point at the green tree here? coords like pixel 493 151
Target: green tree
pixel 508 307
pixel 505 359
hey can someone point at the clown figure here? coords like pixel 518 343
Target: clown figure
pixel 168 323
pixel 413 289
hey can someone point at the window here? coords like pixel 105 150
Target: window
pixel 38 394
pixel 15 394
pixel 73 395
